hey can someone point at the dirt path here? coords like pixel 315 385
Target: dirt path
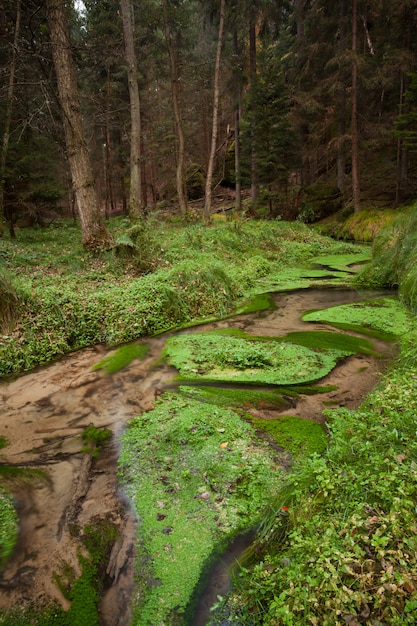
pixel 43 415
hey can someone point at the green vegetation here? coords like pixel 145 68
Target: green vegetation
pixel 9 525
pixel 238 398
pixel 197 475
pixel 94 439
pixel 121 358
pixel 219 357
pixel 196 472
pixel 395 258
pixel 386 318
pixel 72 300
pixel 352 542
pixel 299 436
pixel 363 226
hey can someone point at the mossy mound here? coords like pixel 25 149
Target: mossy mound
pixel 299 436
pixel 214 357
pixel 343 262
pixel 121 358
pixel 240 398
pixel 386 318
pixel 366 224
pixel 363 226
pixel 196 475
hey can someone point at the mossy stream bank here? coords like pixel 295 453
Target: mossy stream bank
pixel 194 481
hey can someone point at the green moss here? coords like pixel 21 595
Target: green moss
pixel 9 526
pixel 386 318
pixel 291 278
pixel 233 359
pixel 122 358
pixel 242 398
pixel 324 340
pixel 342 262
pixel 196 475
pixel 260 302
pixel 52 615
pixel 299 436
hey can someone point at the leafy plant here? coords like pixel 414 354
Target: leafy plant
pixel 94 439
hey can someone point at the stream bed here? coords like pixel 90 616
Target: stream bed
pixel 45 412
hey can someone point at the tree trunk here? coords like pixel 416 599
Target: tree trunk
pixel 402 153
pixel 210 169
pixel 8 117
pixel 135 196
pixel 252 80
pixel 94 232
pixel 354 130
pixel 175 86
pixel 238 173
pixel 341 104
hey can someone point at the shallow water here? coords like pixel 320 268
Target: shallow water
pixel 44 413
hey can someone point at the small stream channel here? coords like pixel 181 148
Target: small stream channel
pixel 44 413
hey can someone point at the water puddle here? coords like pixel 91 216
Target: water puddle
pixel 45 412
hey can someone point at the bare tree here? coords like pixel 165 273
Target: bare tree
pixel 214 132
pixel 94 232
pixel 135 197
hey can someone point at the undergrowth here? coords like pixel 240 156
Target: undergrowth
pixel 70 300
pixel 350 552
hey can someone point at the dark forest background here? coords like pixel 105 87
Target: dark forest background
pixel 317 106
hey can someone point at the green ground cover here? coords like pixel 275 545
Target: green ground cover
pixel 239 358
pixel 197 475
pixel 349 550
pixel 386 318
pixel 61 299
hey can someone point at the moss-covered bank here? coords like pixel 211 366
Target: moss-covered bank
pixel 61 299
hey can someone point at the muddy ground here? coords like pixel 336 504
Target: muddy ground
pixel 44 413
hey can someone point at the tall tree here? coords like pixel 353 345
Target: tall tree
pixel 94 232
pixel 176 105
pixel 8 117
pixel 135 201
pixel 354 120
pixel 216 102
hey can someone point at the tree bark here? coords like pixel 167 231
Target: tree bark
pixel 237 116
pixel 252 80
pixel 175 87
pixel 214 132
pixel 8 117
pixel 354 121
pixel 341 103
pixel 135 195
pixel 94 232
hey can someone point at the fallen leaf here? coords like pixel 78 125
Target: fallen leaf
pixel 224 445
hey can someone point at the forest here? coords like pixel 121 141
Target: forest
pixel 293 109
pixel 172 171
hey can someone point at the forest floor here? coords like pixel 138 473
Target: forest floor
pixel 171 277
pixel 45 414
